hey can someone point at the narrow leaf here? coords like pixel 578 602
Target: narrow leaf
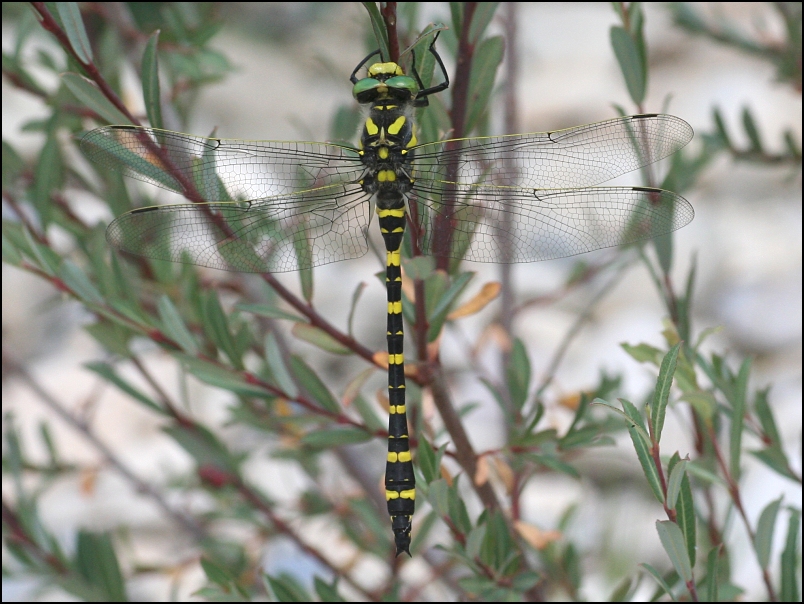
pixel 674 483
pixel 646 461
pixel 335 437
pixel 660 580
pixel 763 537
pixel 312 384
pixel 73 24
pixel 791 560
pixel 174 326
pixel 150 81
pixel 740 388
pixel 673 543
pixel 276 363
pixel 86 92
pixel 318 337
pixel 661 395
pixel 108 373
pixel 628 56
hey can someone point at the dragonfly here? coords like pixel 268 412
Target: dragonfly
pixel 277 206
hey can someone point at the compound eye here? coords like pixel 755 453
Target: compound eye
pixel 405 85
pixel 366 90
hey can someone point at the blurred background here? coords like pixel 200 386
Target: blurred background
pixel 292 62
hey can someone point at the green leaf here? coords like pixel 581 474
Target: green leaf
pixel 661 395
pixel 763 537
pixel 752 131
pixel 203 446
pixel 765 415
pixel 775 459
pixel 686 518
pixel 378 25
pixel 518 374
pixel 368 413
pixel 646 461
pixel 279 371
pixel 311 384
pixel 73 24
pixel 286 589
pixel 96 561
pixel 86 92
pixel 740 388
pixel 318 337
pixel 216 326
pixel 643 353
pixel 438 496
pixel 673 542
pixel 327 592
pixel 711 593
pixel 174 326
pixel 480 20
pixel 630 415
pixel 677 474
pixel 427 460
pixel 268 310
pixel 720 127
pixel 660 580
pixel 353 307
pixel 220 377
pixel 48 178
pixel 108 373
pixel 335 437
pixel 487 59
pixel 443 306
pixel 150 81
pixel 791 560
pixel 475 541
pixel 216 573
pixel 631 63
pixel 79 283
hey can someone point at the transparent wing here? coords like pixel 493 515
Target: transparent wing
pixel 220 169
pixel 576 157
pixel 277 234
pixel 504 224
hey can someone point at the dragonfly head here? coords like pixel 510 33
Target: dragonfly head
pixel 385 81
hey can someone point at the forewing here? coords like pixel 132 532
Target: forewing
pixel 220 169
pixel 496 224
pixel 277 234
pixel 576 157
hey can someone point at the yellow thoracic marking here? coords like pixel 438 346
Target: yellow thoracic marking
pixel 397 125
pixel 391 495
pixel 385 68
pixel 389 107
pixel 409 494
pixel 393 213
pixel 371 127
pixel 413 140
pixel 383 152
pixel 394 308
pixel 386 175
pixel 396 359
pixel 392 258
